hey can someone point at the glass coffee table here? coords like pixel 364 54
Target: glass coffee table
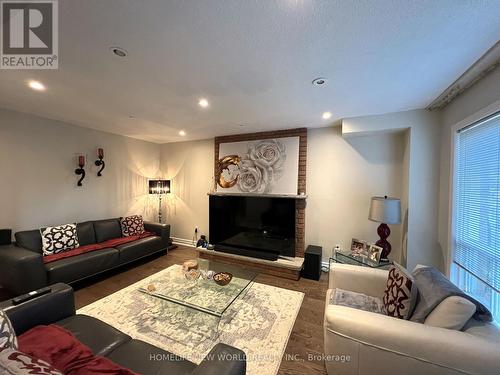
pixel 200 304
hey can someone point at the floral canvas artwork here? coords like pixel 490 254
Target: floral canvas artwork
pixel 268 166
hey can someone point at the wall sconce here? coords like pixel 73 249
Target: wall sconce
pixel 80 170
pixel 100 162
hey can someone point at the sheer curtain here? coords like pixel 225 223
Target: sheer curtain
pixel 476 256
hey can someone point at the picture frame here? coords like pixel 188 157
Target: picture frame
pixel 358 247
pixel 374 253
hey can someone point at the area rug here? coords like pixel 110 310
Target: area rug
pixel 260 323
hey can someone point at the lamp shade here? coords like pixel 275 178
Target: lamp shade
pixel 159 186
pixel 385 210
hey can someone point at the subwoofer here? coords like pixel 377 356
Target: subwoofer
pixel 312 262
pixel 5 236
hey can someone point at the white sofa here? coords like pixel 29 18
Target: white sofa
pixel 360 342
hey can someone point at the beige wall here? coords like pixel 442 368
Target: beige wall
pixel 478 101
pixel 37 180
pixel 190 165
pixel 422 180
pixel 342 175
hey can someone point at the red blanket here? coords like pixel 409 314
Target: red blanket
pixel 62 350
pixel 96 246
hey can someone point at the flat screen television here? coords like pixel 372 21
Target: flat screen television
pixel 262 227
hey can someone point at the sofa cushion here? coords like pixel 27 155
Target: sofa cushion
pixel 71 269
pixel 433 288
pixel 29 239
pixel 107 229
pixel 140 248
pixel 357 301
pixel 100 337
pixel 452 313
pixel 18 363
pixel 144 358
pixel 8 337
pixel 400 294
pixel 132 225
pixel 488 331
pixel 86 234
pixel 59 238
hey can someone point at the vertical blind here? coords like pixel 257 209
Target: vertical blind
pixel 477 201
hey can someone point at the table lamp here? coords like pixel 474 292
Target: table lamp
pixel 159 187
pixel 385 210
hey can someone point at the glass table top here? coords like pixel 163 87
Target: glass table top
pixel 202 294
pixel 358 260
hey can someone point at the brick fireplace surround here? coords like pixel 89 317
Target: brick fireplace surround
pixel 300 204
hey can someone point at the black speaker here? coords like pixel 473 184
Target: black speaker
pixel 5 236
pixel 312 262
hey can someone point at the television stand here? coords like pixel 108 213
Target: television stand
pixel 253 253
pixel 288 269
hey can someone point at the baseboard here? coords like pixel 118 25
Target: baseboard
pixel 183 242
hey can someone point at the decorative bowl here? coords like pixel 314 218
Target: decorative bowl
pixel 223 278
pixel 192 274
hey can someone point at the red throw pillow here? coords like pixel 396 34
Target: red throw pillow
pixel 132 225
pixel 400 293
pixel 62 350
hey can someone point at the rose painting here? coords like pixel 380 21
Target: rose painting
pixel 267 166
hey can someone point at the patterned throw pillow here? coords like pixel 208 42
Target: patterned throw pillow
pixel 132 225
pixel 58 239
pixel 400 293
pixel 8 337
pixel 14 362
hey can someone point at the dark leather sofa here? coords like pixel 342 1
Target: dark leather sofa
pixel 58 308
pixel 22 268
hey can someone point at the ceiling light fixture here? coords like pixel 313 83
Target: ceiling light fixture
pixel 120 52
pixel 319 81
pixel 326 115
pixel 182 133
pixel 203 103
pixel 35 85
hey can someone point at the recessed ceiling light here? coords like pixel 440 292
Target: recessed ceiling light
pixel 120 52
pixel 35 85
pixel 203 103
pixel 319 81
pixel 182 133
pixel 326 115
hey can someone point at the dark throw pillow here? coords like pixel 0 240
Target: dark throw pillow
pixel 132 225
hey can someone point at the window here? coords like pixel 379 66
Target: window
pixel 476 257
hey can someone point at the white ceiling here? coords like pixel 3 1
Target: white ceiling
pixel 253 60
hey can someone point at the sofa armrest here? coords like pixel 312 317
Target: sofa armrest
pixel 21 270
pixel 161 230
pixel 399 338
pixel 45 309
pixel 222 360
pixel 369 281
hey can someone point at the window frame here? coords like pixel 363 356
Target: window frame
pixel 454 133
pixel 492 111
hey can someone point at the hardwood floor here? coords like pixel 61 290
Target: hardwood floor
pixel 307 336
